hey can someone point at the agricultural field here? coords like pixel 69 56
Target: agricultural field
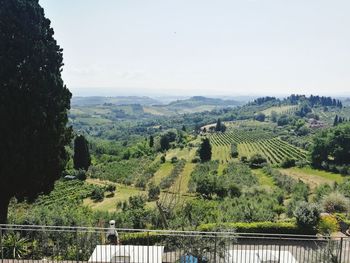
pixel 66 192
pixel 253 142
pixel 109 203
pixel 284 109
pixel 312 177
pixel 275 150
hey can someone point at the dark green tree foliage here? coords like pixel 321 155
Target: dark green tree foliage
pixel 153 191
pixel 332 146
pixel 288 162
pixel 260 117
pixel 234 150
pixel 220 127
pixel 257 161
pixel 164 143
pixel 260 101
pixel 303 111
pixel 33 103
pixel 82 159
pixel 315 100
pixel 336 120
pixel 205 150
pixel 283 120
pixel 151 141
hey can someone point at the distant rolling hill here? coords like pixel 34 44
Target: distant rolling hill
pixel 200 101
pixel 120 100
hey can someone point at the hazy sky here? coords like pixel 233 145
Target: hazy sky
pixel 187 47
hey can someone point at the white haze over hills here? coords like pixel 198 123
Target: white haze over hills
pixel 203 47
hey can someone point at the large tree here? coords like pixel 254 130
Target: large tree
pixel 205 150
pixel 82 159
pixel 332 146
pixel 33 103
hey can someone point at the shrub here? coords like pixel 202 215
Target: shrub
pixel 344 188
pixel 335 202
pixel 97 194
pixel 328 224
pixel 196 160
pixel 321 191
pixel 287 163
pixel 257 160
pixel 174 159
pixel 110 188
pixel 162 159
pixel 258 227
pixel 153 192
pixel 244 159
pixel 233 190
pixel 307 215
pixel 234 150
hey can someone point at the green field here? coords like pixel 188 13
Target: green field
pixel 163 171
pixel 122 193
pixel 253 142
pixel 285 109
pixel 313 177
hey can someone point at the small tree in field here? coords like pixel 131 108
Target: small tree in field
pixel 205 150
pixel 81 157
pixel 153 192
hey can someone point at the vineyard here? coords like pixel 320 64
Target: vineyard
pixel 253 142
pixel 238 136
pixel 66 192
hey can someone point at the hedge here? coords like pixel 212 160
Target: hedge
pixel 259 227
pixel 290 227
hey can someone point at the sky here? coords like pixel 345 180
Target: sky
pixel 203 47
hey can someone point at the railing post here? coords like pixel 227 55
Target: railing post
pixel 147 246
pixel 215 244
pixel 2 248
pixel 279 251
pixel 341 249
pixel 77 244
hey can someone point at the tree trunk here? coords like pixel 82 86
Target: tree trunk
pixel 4 204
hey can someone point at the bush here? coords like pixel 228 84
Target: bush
pixel 321 191
pixel 234 150
pixel 328 225
pixel 258 227
pixel 244 159
pixel 97 194
pixel 153 192
pixel 110 188
pixel 257 161
pixel 196 160
pixel 307 215
pixel 335 202
pixel 174 159
pixel 162 159
pixel 287 163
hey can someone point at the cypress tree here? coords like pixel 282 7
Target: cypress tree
pixel 33 104
pixel 81 158
pixel 336 121
pixel 151 141
pixel 205 150
pixel 218 125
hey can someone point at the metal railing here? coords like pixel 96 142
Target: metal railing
pixel 27 243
